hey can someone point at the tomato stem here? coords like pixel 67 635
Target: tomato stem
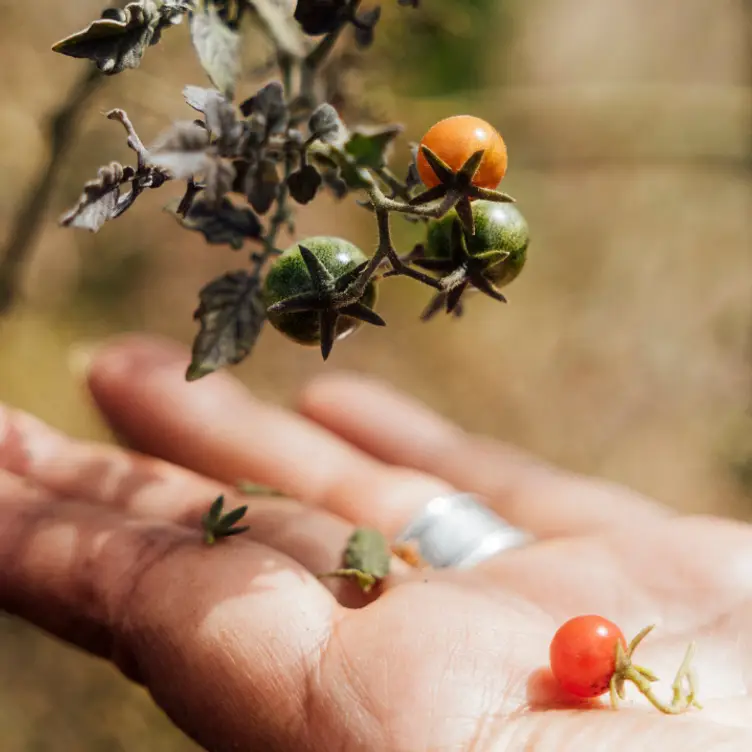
pixel 642 678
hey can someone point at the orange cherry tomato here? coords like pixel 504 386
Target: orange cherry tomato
pixel 583 655
pixel 454 140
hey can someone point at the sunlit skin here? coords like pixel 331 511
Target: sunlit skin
pixel 244 648
pixel 454 140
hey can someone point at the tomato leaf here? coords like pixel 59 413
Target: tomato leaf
pixel 320 16
pixel 304 183
pixel 217 47
pixel 100 200
pixel 232 315
pixel 371 149
pixel 181 150
pixel 118 39
pixel 325 124
pixel 267 110
pixel 261 185
pixel 226 223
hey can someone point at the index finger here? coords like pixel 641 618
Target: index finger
pixel 525 491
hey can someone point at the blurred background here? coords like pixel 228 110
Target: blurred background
pixel 625 350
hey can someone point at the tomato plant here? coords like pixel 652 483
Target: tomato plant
pixel 454 140
pixel 245 164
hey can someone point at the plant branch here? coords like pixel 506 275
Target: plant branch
pixel 316 57
pixel 28 220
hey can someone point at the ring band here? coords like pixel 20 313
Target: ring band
pixel 459 531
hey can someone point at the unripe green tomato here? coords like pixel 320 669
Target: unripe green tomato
pixel 498 227
pixel 289 276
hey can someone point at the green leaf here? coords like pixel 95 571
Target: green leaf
pixel 366 559
pixel 371 149
pixel 232 314
pixel 215 510
pixel 216 525
pixel 350 173
pixel 226 223
pixel 217 47
pixel 368 552
pixel 232 517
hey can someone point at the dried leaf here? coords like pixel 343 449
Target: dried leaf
pixel 320 16
pixel 118 39
pixel 326 125
pixel 222 121
pixel 232 315
pixel 226 223
pixel 218 48
pixel 304 183
pixel 279 26
pixel 262 185
pixel 370 149
pixel 219 176
pixel 197 96
pixel 182 150
pixel 267 110
pixel 100 200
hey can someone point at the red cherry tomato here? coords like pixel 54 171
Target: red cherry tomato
pixel 583 655
pixel 454 140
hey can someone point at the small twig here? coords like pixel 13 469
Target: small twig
pixel 316 57
pixel 192 190
pixel 28 220
pixel 280 215
pixel 134 142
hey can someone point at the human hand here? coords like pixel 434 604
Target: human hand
pixel 245 649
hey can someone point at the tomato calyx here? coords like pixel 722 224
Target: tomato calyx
pixel 456 189
pixel 684 686
pixel 460 271
pixel 329 298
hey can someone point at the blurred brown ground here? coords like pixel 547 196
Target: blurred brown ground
pixel 624 351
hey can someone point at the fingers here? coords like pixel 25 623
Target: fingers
pixel 397 429
pixel 134 484
pixel 209 631
pixel 216 428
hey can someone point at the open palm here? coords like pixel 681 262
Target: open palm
pixel 245 649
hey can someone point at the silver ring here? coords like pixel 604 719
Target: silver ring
pixel 459 531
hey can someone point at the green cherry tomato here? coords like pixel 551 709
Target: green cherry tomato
pixel 289 276
pixel 498 227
